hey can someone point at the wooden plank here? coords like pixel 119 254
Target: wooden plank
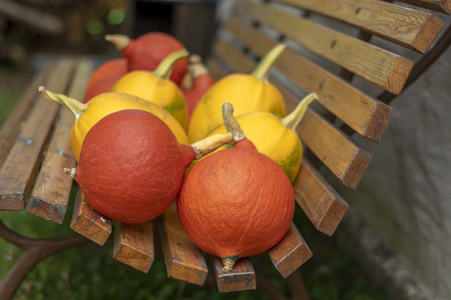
pixel 134 245
pixel 321 203
pixel 242 277
pixel 378 66
pixel 442 6
pixel 214 68
pixel 20 168
pixel 15 121
pixel 367 116
pixel 50 195
pixel 184 261
pixel 290 253
pixel 233 57
pixel 410 28
pixel 88 222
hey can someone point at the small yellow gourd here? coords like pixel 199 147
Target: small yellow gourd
pixel 276 137
pixel 245 92
pixel 87 115
pixel 156 87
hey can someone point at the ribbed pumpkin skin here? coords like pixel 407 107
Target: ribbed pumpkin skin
pixel 148 50
pixel 245 92
pixel 236 202
pixel 159 91
pixel 131 166
pixel 107 103
pixel 271 138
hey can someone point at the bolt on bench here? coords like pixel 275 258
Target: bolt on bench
pixel 35 146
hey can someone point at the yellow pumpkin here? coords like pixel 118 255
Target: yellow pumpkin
pixel 87 115
pixel 245 92
pixel 156 87
pixel 275 137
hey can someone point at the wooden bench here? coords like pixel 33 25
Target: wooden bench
pixel 35 144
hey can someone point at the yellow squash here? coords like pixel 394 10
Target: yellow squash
pixel 156 87
pixel 245 92
pixel 87 115
pixel 275 137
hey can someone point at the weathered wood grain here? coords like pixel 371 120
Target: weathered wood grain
pixel 88 222
pixel 367 116
pixel 50 196
pixel 321 203
pixel 410 28
pixel 19 170
pixel 442 6
pixel 290 253
pixel 134 245
pixel 184 261
pixel 242 277
pixel 380 67
pixel 16 119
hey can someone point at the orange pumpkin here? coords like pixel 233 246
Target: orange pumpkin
pixel 236 203
pixel 113 67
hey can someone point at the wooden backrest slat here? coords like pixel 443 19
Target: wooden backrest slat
pixel 380 67
pixel 367 116
pixel 241 278
pixel 88 222
pixel 134 245
pixel 410 28
pixel 321 203
pixel 184 261
pixel 19 170
pixel 290 253
pixel 347 161
pixel 50 196
pixel 442 6
pixel 11 127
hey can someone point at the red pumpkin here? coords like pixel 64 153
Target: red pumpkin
pixel 236 203
pixel 201 83
pixel 147 51
pixel 100 87
pixel 131 166
pixel 115 67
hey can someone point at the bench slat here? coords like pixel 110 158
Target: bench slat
pixel 380 67
pixel 88 222
pixel 11 127
pixel 442 6
pixel 410 28
pixel 50 195
pixel 134 245
pixel 242 277
pixel 20 168
pixel 368 117
pixel 321 203
pixel 184 261
pixel 290 253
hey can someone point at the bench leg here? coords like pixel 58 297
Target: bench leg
pixel 34 251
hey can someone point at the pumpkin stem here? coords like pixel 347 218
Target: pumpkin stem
pixel 75 106
pixel 120 41
pixel 71 172
pixel 228 263
pixel 262 70
pixel 292 120
pixel 210 144
pixel 164 69
pixel 231 123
